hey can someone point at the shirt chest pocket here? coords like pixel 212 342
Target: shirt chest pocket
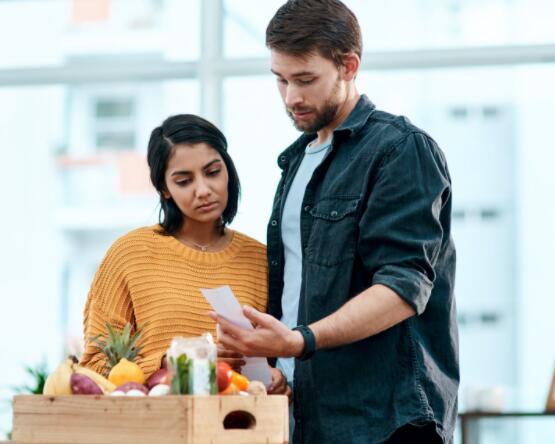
pixel 332 238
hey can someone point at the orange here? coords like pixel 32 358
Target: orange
pixel 230 390
pixel 240 381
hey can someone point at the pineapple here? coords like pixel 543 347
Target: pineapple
pixel 119 345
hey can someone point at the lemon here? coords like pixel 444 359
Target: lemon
pixel 126 371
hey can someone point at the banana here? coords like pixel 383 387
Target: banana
pixel 58 382
pixel 106 386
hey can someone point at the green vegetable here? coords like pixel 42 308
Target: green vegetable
pixel 182 372
pixel 213 384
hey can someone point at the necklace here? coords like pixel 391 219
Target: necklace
pixel 202 247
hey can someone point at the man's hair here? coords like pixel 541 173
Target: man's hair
pixel 327 27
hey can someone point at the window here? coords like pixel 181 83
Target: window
pixel 114 123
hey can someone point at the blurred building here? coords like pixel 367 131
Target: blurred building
pixel 83 82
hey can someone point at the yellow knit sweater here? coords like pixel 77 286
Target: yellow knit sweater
pixel 150 279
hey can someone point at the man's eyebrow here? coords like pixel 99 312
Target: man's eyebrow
pixel 297 74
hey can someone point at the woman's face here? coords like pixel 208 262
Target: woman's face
pixel 196 179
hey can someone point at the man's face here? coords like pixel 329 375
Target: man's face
pixel 311 89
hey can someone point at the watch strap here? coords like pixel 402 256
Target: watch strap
pixel 309 341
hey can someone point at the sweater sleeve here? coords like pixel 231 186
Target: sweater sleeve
pixel 108 301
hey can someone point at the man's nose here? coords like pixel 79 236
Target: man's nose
pixel 293 97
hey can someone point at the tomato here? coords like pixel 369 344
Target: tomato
pixel 223 375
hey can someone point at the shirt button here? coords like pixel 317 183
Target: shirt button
pixel 273 223
pixel 307 208
pixel 334 213
pixel 275 263
pixel 282 159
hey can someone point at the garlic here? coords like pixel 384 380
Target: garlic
pixel 159 390
pixel 135 392
pixel 117 393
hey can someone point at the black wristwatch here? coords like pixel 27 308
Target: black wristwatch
pixel 309 342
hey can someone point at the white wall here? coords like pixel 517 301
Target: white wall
pixel 536 232
pixel 31 248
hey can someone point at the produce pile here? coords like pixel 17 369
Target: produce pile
pixel 193 369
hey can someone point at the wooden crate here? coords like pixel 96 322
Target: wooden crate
pixel 150 420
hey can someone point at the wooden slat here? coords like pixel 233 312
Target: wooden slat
pixel 129 420
pixel 269 412
pixel 101 419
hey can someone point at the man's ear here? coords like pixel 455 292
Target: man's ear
pixel 351 65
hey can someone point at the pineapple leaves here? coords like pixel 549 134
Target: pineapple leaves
pixel 125 334
pixel 119 345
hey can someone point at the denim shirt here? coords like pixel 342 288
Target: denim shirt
pixel 377 210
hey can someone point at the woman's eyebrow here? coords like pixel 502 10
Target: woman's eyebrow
pixel 180 172
pixel 209 164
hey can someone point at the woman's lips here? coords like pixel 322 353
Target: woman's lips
pixel 207 207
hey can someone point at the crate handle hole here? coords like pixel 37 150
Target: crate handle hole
pixel 239 419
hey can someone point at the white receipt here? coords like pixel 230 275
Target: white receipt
pixel 224 302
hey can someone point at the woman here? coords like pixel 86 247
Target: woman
pixel 151 276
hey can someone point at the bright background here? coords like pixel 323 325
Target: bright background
pixel 83 82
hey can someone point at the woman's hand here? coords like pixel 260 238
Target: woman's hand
pixel 279 385
pixel 234 359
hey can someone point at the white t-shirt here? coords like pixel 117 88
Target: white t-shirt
pixel 291 237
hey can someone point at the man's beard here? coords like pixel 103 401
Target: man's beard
pixel 321 118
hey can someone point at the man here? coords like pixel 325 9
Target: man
pixel 361 259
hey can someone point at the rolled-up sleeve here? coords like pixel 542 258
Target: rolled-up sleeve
pixel 401 231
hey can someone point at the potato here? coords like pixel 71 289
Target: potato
pixel 83 385
pixel 124 388
pixel 158 377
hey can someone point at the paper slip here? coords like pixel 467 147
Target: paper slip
pixel 224 302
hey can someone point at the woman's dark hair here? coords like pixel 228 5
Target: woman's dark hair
pixel 328 27
pixel 187 129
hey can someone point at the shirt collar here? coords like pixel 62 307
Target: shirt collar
pixel 354 122
pixel 358 116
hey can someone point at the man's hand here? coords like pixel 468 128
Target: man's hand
pixel 279 385
pixel 235 360
pixel 270 338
